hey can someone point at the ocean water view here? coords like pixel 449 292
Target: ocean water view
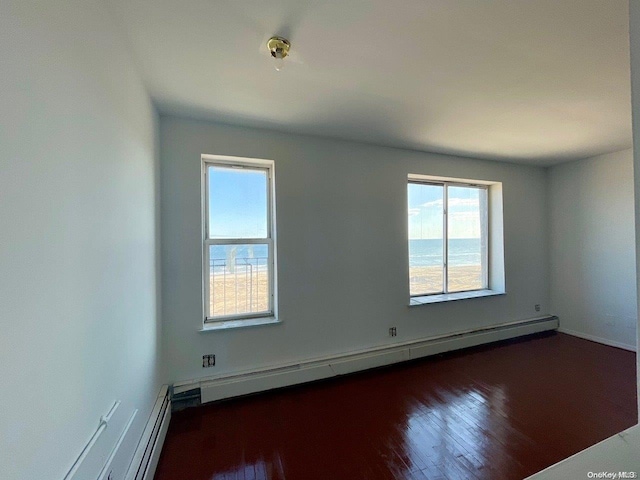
pixel 428 252
pixel 426 266
pixel 240 252
pixel 422 253
pixel 240 283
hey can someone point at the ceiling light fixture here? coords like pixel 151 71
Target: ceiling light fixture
pixel 279 48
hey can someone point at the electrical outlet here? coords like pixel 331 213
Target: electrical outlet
pixel 393 332
pixel 208 361
pixel 537 307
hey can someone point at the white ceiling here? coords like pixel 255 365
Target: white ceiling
pixel 536 81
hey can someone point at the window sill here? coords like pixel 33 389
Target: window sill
pixel 450 297
pixel 243 323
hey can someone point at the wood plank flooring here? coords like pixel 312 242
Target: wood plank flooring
pixel 501 411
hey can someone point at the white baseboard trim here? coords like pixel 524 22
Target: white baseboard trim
pixel 227 386
pixel 147 454
pixel 593 338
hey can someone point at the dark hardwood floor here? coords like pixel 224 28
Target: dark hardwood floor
pixel 503 411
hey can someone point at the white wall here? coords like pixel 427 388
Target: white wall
pixel 77 235
pixel 592 247
pixel 620 452
pixel 342 248
pixel 634 41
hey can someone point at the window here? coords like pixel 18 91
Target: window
pixel 238 239
pixel 448 237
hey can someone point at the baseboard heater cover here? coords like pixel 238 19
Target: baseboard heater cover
pixel 286 375
pixel 147 454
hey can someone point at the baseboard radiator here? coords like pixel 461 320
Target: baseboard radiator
pixel 145 459
pixel 218 388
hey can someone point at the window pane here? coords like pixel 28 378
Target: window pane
pixel 425 238
pixel 467 232
pixel 237 202
pixel 239 281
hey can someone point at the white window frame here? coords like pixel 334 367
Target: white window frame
pixel 445 234
pixel 246 163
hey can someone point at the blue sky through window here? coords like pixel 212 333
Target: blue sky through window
pixel 425 211
pixel 237 202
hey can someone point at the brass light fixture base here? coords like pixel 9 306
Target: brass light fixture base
pixel 279 47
